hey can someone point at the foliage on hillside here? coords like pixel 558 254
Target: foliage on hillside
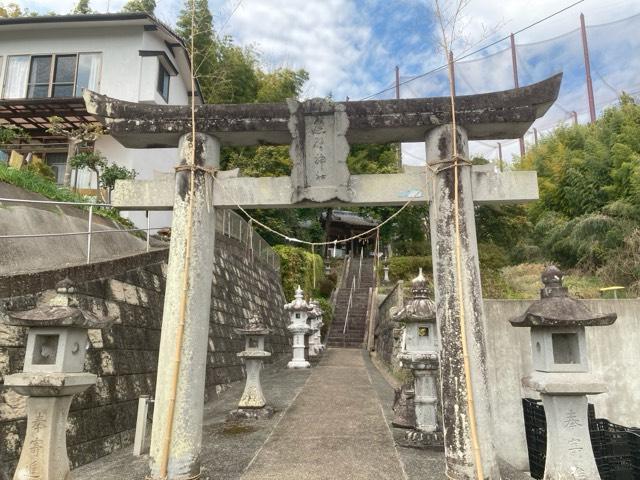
pixel 35 182
pixel 296 268
pixel 588 214
pixel 406 268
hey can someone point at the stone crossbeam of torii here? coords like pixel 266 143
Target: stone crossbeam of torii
pixel 319 133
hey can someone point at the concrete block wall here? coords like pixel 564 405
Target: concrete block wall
pixel 125 356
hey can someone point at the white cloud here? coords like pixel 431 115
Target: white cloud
pixel 350 47
pixel 326 37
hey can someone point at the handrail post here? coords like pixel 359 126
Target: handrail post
pixel 148 228
pixel 346 318
pixel 89 234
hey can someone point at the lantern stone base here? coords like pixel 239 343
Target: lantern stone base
pixel 423 440
pixel 404 414
pixel 564 396
pixel 569 450
pixel 251 413
pixel 298 360
pixel 44 452
pixel 297 363
pixel 252 397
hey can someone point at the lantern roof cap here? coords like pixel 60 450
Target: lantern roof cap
pixel 298 304
pixel 557 309
pixel 420 307
pixel 63 310
pixel 255 326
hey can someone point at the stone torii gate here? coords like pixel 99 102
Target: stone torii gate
pixel 319 133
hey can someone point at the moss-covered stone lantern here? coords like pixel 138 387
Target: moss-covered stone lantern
pixel 562 375
pixel 253 355
pixel 420 353
pixel 53 372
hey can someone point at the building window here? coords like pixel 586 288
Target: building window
pixel 163 82
pixel 46 76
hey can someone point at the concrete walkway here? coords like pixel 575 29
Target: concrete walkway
pixel 348 436
pixel 332 421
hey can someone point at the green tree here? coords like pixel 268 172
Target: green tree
pixel 84 134
pixel 11 10
pixel 280 84
pixel 82 8
pixel 146 6
pixel 589 177
pixel 12 133
pixel 113 172
pixel 93 161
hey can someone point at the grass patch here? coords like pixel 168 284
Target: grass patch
pixel 35 183
pixel 523 282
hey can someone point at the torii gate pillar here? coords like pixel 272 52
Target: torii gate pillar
pixel 186 308
pixel 448 292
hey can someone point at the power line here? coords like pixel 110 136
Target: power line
pixel 442 67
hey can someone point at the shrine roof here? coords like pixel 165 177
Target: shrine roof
pixel 350 218
pixel 489 116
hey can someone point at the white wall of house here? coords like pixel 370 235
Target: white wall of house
pixel 124 74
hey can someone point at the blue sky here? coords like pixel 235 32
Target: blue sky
pixel 350 47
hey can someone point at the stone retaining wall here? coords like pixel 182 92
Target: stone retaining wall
pixel 125 356
pixel 387 343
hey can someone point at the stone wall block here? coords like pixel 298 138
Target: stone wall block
pixel 11 437
pixel 116 291
pixel 5 363
pixel 76 428
pixel 103 392
pixel 12 336
pixel 12 406
pixel 124 389
pixel 127 437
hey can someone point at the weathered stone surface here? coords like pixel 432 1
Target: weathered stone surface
pixel 497 115
pixel 488 186
pixel 319 151
pixel 125 356
pixel 455 294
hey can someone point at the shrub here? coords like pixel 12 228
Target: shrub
pixel 327 316
pixel 406 268
pixel 42 169
pixel 296 269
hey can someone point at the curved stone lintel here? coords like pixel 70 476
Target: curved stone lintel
pixel 488 116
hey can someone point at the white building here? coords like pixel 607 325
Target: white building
pixel 46 62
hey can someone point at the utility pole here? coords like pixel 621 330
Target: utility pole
pixel 587 69
pixel 501 164
pixel 535 135
pixel 516 83
pixel 398 98
pixel 574 115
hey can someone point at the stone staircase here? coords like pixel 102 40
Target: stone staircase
pixel 353 337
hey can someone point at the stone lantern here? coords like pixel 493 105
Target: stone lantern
pixel 299 311
pixel 316 321
pixel 254 353
pixel 57 341
pixel 386 274
pixel 420 347
pixel 562 375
